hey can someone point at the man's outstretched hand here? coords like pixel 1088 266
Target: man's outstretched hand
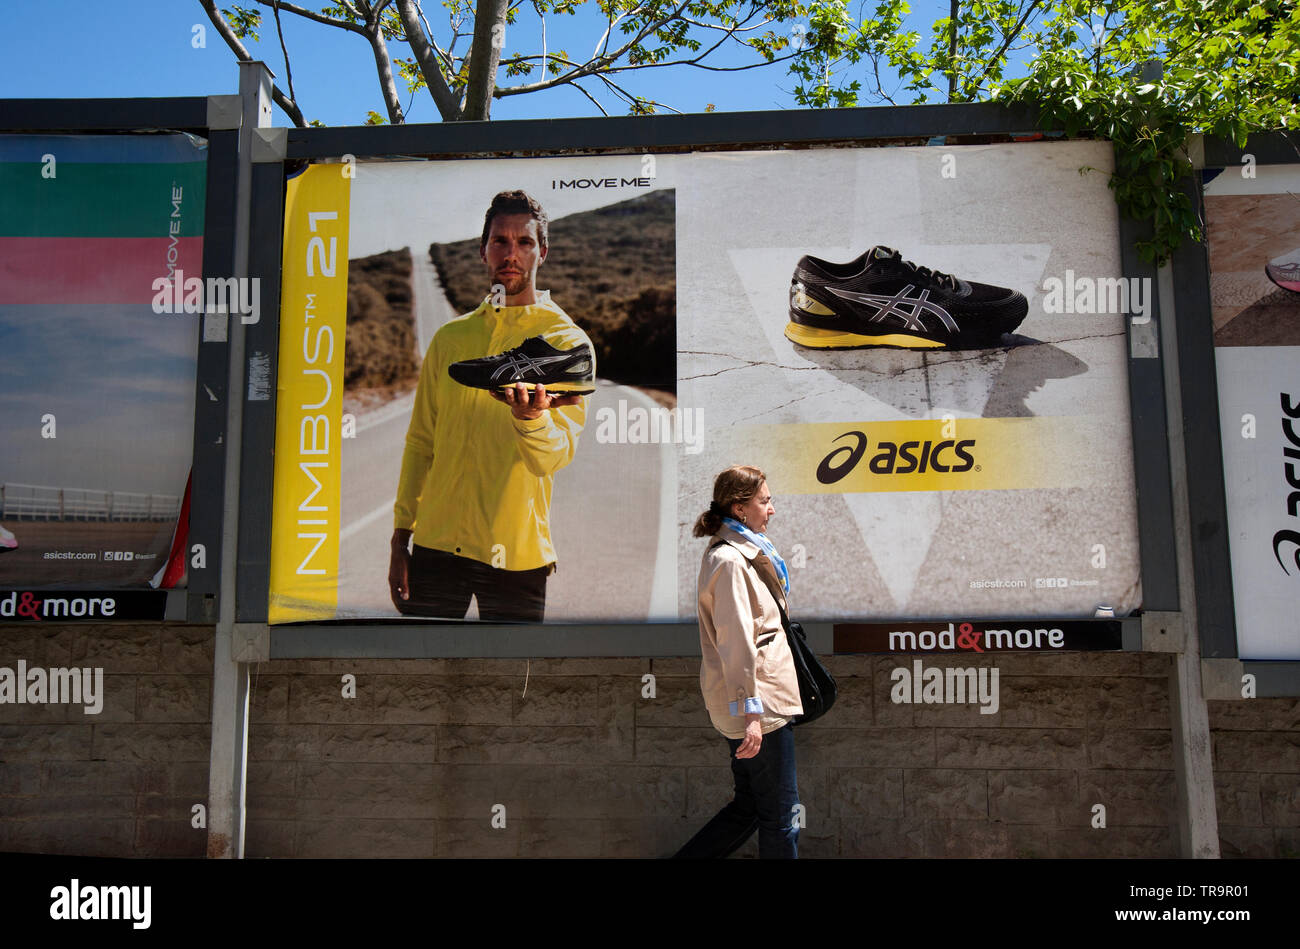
pixel 525 404
pixel 399 567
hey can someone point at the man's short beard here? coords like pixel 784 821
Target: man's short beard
pixel 522 284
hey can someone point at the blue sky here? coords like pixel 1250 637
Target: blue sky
pixel 144 48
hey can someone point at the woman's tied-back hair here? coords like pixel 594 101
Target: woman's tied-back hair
pixel 737 483
pixel 516 202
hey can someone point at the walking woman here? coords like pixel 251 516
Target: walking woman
pixel 748 675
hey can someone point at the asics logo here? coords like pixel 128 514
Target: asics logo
pixel 518 365
pixel 908 309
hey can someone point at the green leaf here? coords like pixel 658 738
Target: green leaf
pixel 1230 67
pixel 244 22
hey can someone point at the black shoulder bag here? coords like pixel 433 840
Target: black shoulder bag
pixel 817 690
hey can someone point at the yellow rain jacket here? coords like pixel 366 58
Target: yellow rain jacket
pixel 475 480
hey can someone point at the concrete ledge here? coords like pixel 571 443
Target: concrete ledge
pixel 1163 632
pixel 1221 678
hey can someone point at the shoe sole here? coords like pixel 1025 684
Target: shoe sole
pixel 814 337
pixel 560 388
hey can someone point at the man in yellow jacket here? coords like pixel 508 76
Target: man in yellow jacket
pixel 475 488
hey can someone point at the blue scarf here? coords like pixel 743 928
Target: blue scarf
pixel 765 545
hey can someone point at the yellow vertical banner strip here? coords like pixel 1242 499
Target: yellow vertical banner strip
pixel 305 518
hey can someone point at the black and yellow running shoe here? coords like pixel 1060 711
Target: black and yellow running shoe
pixel 879 299
pixel 533 362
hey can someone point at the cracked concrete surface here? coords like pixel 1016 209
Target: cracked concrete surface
pixel 911 554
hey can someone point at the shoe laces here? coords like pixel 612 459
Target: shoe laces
pixel 926 273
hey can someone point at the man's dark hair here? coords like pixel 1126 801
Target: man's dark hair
pixel 515 202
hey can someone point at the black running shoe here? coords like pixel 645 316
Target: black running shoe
pixel 879 299
pixel 533 362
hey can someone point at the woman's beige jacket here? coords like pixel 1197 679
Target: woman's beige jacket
pixel 746 654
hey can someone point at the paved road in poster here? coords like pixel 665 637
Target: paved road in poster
pixel 613 509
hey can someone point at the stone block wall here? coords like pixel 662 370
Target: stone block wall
pixel 1257 776
pixel 585 764
pixel 120 783
pixel 581 762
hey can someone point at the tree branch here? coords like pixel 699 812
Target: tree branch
pixel 384 66
pixel 543 19
pixel 603 43
pixel 241 54
pixel 227 34
pixel 288 71
pixel 572 76
pixel 489 22
pixel 631 99
pixel 592 98
pixel 880 90
pixel 289 106
pixel 651 24
pixel 737 27
pixel 953 22
pixel 427 61
pixel 313 15
pixel 1007 41
pixel 593 66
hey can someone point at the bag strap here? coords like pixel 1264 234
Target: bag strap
pixel 785 620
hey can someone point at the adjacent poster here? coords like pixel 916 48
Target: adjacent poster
pixel 923 348
pixel 96 379
pixel 1253 230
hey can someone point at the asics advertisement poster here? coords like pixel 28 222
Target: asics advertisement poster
pixel 99 236
pixel 478 366
pixel 506 385
pixel 1252 223
pixel 924 349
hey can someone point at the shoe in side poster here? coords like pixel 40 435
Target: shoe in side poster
pixel 1253 231
pixel 924 349
pixel 463 346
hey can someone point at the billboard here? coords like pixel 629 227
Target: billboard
pixel 923 348
pixel 97 383
pixel 1253 232
pixel 390 260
